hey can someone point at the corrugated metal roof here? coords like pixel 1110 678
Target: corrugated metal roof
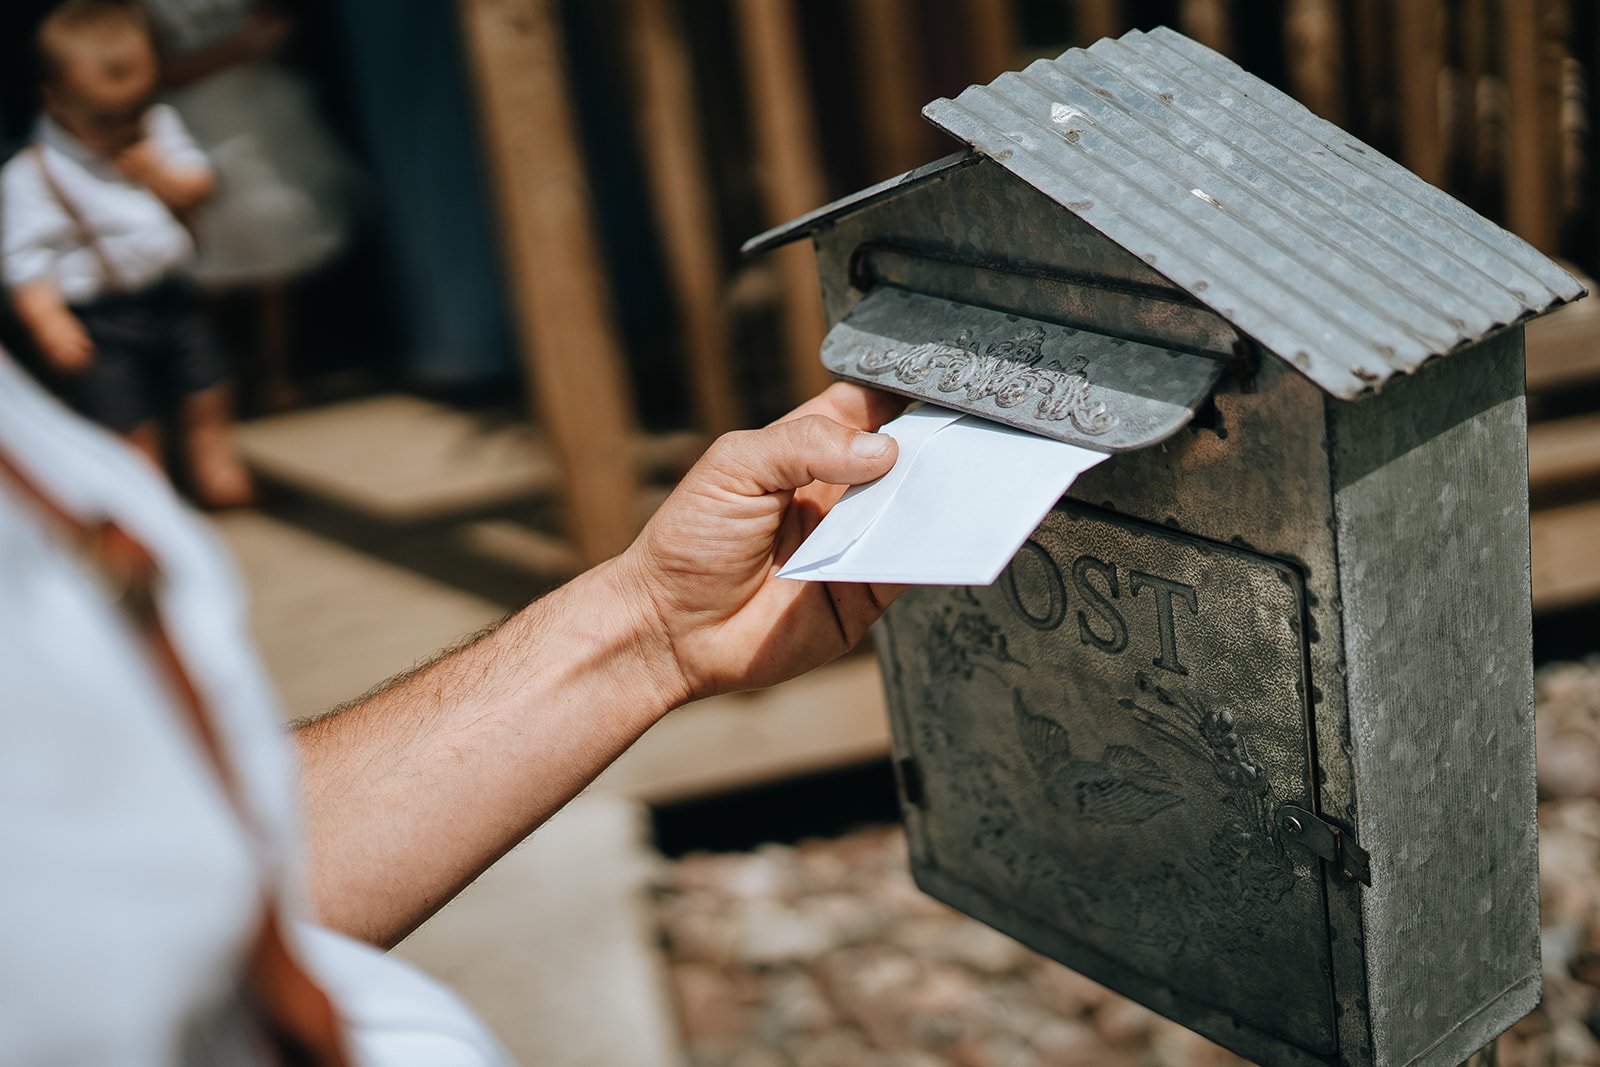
pixel 1332 256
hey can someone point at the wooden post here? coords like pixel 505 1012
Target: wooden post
pixel 1210 22
pixel 1370 69
pixel 1533 101
pixel 891 107
pixel 681 190
pixel 1313 36
pixel 1097 19
pixel 991 28
pixel 1419 40
pixel 788 170
pixel 570 349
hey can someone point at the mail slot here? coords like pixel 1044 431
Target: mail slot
pixel 1245 730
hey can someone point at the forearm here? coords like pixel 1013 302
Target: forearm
pixel 412 793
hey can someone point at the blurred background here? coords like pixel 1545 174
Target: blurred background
pixel 534 319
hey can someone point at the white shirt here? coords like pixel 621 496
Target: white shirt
pixel 133 228
pixel 129 896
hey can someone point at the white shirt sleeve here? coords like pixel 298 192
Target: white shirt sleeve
pixel 393 1014
pixel 171 137
pixel 35 230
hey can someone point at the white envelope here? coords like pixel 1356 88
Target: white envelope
pixel 962 497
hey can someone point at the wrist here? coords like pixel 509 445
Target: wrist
pixel 642 630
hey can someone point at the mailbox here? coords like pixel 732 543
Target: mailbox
pixel 1245 730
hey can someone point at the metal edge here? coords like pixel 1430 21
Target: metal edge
pixel 813 220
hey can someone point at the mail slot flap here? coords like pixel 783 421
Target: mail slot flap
pixel 1105 393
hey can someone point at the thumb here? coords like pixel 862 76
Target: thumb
pixel 788 455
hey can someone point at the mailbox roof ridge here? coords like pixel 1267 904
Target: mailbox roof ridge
pixel 1333 257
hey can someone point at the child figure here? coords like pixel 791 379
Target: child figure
pixel 92 246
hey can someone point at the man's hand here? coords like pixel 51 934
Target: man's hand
pixel 706 561
pixel 411 792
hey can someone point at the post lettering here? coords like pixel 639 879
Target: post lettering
pixel 1165 624
pixel 1055 608
pixel 1097 602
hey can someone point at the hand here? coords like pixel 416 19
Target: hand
pixel 705 563
pixel 66 344
pixel 141 161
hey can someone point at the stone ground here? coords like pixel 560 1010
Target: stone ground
pixel 825 955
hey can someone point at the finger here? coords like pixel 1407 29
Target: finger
pixel 852 404
pixel 797 452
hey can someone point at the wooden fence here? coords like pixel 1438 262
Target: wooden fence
pixel 744 113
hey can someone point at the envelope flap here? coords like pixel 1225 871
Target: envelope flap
pixel 1100 392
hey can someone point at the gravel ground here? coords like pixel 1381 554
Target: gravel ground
pixel 825 955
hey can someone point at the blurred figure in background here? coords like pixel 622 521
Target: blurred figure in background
pixel 94 242
pixel 286 191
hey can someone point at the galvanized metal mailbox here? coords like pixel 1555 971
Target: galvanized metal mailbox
pixel 1245 730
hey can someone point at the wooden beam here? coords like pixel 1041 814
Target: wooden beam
pixel 570 348
pixel 1210 22
pixel 1533 93
pixel 1098 18
pixel 788 170
pixel 1419 40
pixel 991 37
pixel 681 190
pixel 891 106
pixel 1314 37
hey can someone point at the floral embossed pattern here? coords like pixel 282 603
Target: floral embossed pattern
pixel 1010 373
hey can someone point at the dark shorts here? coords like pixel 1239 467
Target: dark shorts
pixel 151 349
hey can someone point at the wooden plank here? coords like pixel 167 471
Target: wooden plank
pixel 1210 22
pixel 1098 18
pixel 570 347
pixel 681 190
pixel 788 170
pixel 1370 70
pixel 991 37
pixel 1313 35
pixel 1564 452
pixel 891 106
pixel 1419 42
pixel 1532 128
pixel 1566 556
pixel 833 717
pixel 1564 347
pixel 1472 144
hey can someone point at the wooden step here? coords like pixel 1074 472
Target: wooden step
pixel 1566 555
pixel 407 459
pixel 1564 347
pixel 1563 452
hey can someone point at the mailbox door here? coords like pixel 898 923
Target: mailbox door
pixel 1095 754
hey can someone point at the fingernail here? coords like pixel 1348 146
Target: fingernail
pixel 868 445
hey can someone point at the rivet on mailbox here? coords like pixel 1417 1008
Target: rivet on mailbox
pixel 1245 730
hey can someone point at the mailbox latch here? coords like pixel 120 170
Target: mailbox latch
pixel 1322 838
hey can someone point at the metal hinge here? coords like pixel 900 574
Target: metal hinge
pixel 1322 838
